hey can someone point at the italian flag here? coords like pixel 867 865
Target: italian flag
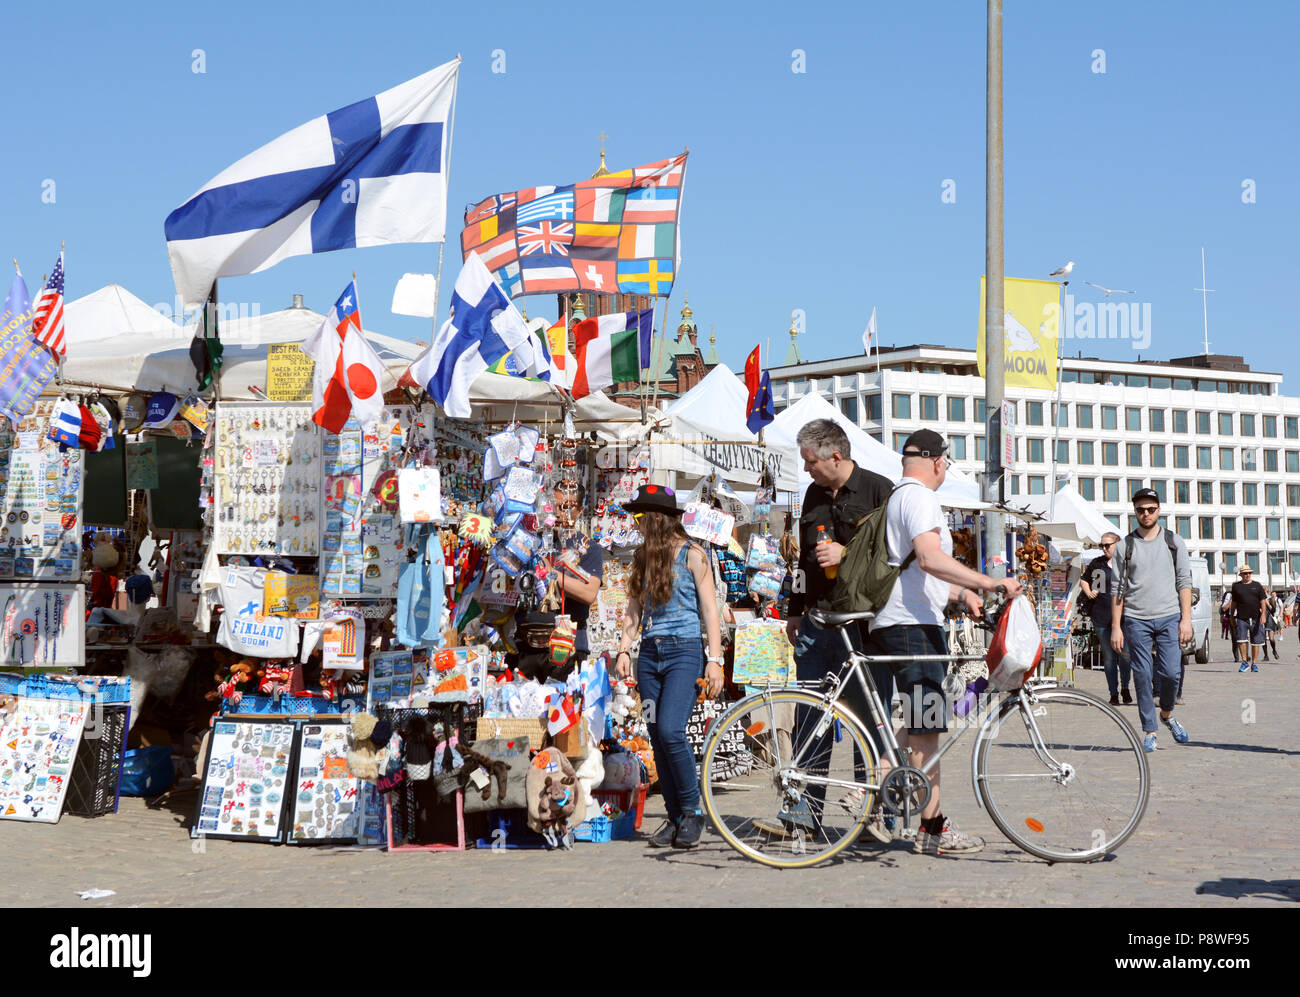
pixel 611 349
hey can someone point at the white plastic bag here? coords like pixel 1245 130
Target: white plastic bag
pixel 1017 646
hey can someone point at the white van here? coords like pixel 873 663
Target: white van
pixel 1204 610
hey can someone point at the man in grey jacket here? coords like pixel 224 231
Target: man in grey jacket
pixel 1153 613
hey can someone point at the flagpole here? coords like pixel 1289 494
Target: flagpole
pixel 657 353
pixel 451 134
pixel 1056 405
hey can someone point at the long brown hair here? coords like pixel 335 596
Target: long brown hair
pixel 651 581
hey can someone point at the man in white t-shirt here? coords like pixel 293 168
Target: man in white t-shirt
pixel 911 622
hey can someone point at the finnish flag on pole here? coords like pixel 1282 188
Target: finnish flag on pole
pixel 484 326
pixel 369 174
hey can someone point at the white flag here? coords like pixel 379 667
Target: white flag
pixel 870 334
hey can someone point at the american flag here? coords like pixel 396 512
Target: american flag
pixel 47 315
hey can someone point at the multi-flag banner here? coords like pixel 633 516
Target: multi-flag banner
pixel 613 234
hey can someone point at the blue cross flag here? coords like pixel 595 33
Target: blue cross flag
pixel 369 174
pixel 484 326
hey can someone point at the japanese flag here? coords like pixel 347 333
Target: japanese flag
pixel 348 377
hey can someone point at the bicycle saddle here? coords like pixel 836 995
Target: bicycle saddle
pixel 825 618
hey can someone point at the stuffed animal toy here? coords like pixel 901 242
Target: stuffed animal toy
pixel 622 771
pixel 622 702
pixel 475 761
pixel 554 793
pixel 242 679
pixel 366 759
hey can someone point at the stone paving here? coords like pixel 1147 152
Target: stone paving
pixel 1218 831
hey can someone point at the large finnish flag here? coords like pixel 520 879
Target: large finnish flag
pixel 484 326
pixel 369 174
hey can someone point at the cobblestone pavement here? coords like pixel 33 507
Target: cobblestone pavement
pixel 1218 831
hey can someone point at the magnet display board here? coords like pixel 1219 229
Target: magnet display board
pixel 326 800
pixel 38 742
pixel 44 626
pixel 247 779
pixel 40 502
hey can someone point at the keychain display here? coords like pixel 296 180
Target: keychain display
pixel 42 626
pixel 267 479
pixel 41 494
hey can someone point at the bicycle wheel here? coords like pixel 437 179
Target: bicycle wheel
pixel 783 778
pixel 1074 793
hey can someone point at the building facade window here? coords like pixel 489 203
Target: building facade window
pixel 902 406
pixel 1250 528
pixel 1109 417
pixel 1084 448
pixel 1293 529
pixel 1035 451
pixel 1227 493
pixel 1037 484
pixel 1270 495
pixel 930 408
pixel 899 440
pixel 1133 419
pixel 1183 491
pixel 1061 414
pixel 981 410
pixel 1293 494
pixel 873 408
pixel 1247 424
pixel 1206 527
pixel 956 409
pixel 849 406
pixel 1183 525
pixel 1157 455
pixel 1133 454
pixel 1252 559
pixel 1110 489
pixel 1291 424
pixel 1110 454
pixel 1274 528
pixel 1270 460
pixel 1250 493
pixel 1203 423
pixel 1225 423
pixel 1180 456
pixel 1033 413
pixel 1156 417
pixel 1088 488
pixel 1270 426
pixel 1205 492
pixel 1063 451
pixel 1161 488
pixel 1293 462
pixel 1248 458
pixel 1180 421
pixel 1225 459
pixel 981 449
pixel 1083 416
pixel 1204 458
pixel 1230 562
pixel 1228 526
pixel 957 447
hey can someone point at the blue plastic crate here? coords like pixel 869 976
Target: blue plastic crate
pixel 147 771
pixel 509 829
pixel 104 689
pixel 283 705
pixel 601 829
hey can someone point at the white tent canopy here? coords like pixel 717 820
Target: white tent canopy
pixel 958 491
pixel 500 397
pixel 114 311
pixel 142 360
pixel 1073 517
pixel 704 430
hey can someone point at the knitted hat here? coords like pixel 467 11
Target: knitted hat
pixel 382 734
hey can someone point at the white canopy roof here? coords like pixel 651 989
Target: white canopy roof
pixel 500 397
pixel 1072 517
pixel 704 430
pixel 114 311
pixel 144 361
pixel 958 491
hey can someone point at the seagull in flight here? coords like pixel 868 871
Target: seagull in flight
pixel 1109 290
pixel 1062 271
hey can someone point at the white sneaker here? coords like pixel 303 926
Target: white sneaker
pixel 852 801
pixel 950 841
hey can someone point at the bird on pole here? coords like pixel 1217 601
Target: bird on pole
pixel 1062 271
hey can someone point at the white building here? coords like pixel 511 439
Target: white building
pixel 1219 442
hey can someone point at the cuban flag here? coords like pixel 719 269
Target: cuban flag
pixel 369 174
pixel 348 370
pixel 484 326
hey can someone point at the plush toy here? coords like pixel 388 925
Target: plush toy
pixel 475 761
pixel 554 793
pixel 241 679
pixel 622 702
pixel 366 759
pixel 622 771
pixel 275 679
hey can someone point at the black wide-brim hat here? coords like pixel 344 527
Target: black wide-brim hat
pixel 654 498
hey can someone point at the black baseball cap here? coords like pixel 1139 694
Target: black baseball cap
pixel 925 443
pixel 1146 493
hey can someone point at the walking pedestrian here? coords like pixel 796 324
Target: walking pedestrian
pixel 670 600
pixel 1153 613
pixel 1247 598
pixel 1098 584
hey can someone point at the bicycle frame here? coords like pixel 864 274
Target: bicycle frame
pixel 988 714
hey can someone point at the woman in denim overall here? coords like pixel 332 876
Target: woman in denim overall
pixel 670 600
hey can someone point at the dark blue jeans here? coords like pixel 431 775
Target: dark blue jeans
pixel 817 653
pixel 666 670
pixel 1153 649
pixel 1117 666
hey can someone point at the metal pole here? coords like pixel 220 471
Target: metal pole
pixel 994 385
pixel 1056 404
pixel 451 134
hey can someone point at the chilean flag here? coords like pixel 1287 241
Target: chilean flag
pixel 348 370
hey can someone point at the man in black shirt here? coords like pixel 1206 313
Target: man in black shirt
pixel 840 495
pixel 1247 601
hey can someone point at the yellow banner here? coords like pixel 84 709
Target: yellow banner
pixel 1030 327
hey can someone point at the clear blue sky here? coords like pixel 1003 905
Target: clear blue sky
pixel 819 191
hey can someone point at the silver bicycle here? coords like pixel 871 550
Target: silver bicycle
pixel 1059 772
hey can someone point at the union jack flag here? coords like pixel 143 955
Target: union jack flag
pixel 47 315
pixel 548 237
